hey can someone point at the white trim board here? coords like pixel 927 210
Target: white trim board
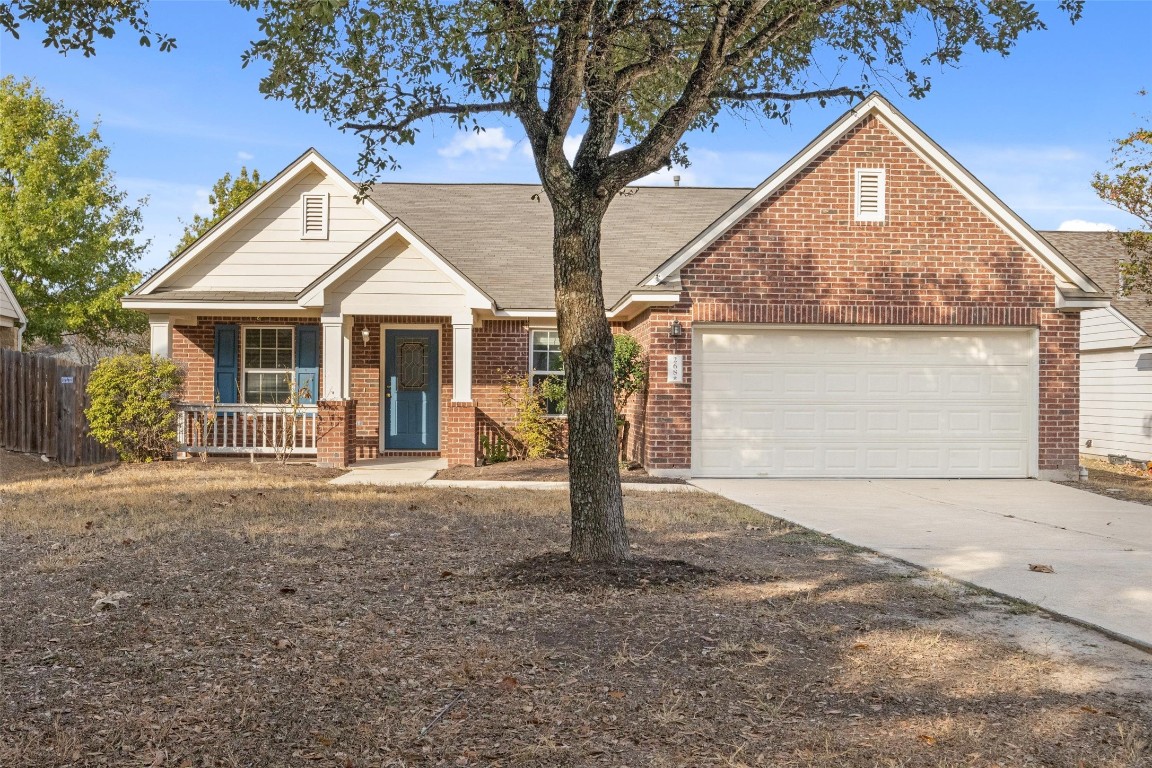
pixel 11 296
pixel 310 161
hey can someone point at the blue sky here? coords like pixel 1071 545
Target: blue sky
pixel 1033 126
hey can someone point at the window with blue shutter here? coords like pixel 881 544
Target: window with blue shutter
pixel 227 354
pixel 308 363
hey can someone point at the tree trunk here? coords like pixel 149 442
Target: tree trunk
pixel 598 532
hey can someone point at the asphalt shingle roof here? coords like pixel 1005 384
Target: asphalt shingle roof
pixel 501 238
pixel 1098 255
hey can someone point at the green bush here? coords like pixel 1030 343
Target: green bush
pixel 132 405
pixel 532 428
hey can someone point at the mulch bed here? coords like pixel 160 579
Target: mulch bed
pixel 540 470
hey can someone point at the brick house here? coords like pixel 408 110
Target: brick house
pixel 12 319
pixel 870 310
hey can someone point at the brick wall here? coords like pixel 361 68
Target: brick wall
pixel 801 258
pixel 7 337
pixel 194 346
pixel 335 441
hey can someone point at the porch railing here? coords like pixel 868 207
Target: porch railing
pixel 247 429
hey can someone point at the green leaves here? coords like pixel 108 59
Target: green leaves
pixel 67 234
pixel 72 25
pixel 227 195
pixel 132 405
pixel 1129 188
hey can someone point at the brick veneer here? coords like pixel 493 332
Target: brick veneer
pixel 194 347
pixel 801 258
pixel 335 440
pixel 7 337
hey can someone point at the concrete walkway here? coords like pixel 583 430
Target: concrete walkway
pixel 393 470
pixel 987 532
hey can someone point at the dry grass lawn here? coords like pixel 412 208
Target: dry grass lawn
pixel 271 619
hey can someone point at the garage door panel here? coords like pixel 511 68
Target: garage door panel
pixel 864 403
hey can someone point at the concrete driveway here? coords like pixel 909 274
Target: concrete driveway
pixel 987 532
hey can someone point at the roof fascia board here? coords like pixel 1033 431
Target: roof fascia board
pixel 310 160
pixel 313 294
pixel 8 292
pixel 175 305
pixel 636 302
pixel 929 151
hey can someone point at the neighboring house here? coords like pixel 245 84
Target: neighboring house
pixel 870 310
pixel 12 319
pixel 1115 353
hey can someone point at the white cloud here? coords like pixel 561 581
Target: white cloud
pixel 245 156
pixel 490 144
pixel 1079 225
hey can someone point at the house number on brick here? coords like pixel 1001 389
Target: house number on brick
pixel 676 369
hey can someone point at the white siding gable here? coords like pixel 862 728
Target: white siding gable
pixel 397 279
pixel 1106 329
pixel 268 251
pixel 8 312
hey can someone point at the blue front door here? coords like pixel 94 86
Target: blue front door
pixel 411 390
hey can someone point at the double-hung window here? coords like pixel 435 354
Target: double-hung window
pixel 268 365
pixel 546 363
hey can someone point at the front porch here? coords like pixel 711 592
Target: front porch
pixel 367 386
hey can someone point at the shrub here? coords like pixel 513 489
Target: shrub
pixel 132 409
pixel 629 377
pixel 532 427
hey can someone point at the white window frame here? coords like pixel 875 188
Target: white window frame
pixel 881 212
pixel 245 370
pixel 322 234
pixel 533 371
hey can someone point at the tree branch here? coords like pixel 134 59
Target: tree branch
pixel 827 93
pixel 422 113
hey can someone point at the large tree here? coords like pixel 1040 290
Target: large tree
pixel 68 236
pixel 226 195
pixel 637 74
pixel 633 73
pixel 1129 188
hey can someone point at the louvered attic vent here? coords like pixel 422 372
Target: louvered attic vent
pixel 315 223
pixel 870 194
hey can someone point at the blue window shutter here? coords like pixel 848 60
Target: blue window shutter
pixel 227 352
pixel 308 362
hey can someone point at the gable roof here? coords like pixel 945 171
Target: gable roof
pixel 1099 254
pixel 501 238
pixel 10 300
pixel 1065 271
pixel 310 161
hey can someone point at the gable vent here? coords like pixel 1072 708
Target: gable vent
pixel 315 222
pixel 870 194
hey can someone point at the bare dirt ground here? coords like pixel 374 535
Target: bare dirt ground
pixel 1120 481
pixel 542 470
pixel 212 614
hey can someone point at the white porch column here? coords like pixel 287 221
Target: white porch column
pixel 461 362
pixel 332 330
pixel 160 330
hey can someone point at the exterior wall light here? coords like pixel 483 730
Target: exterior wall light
pixel 675 330
pixel 365 334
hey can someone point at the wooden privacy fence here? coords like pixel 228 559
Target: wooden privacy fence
pixel 42 402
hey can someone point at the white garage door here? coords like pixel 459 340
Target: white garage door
pixel 852 403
